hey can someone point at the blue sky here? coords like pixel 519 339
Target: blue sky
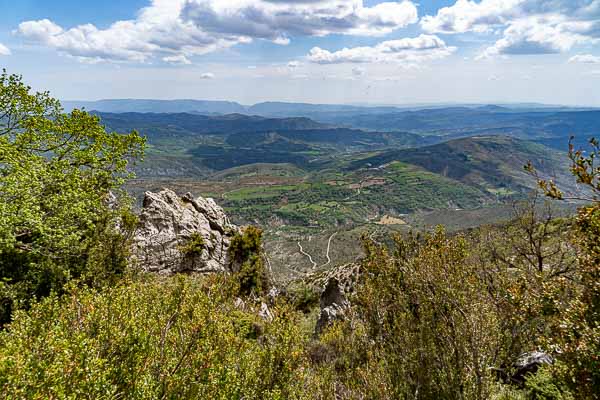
pixel 320 51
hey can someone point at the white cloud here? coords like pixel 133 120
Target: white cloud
pixel 4 51
pixel 468 15
pixel 535 35
pixel 526 26
pixel 279 20
pixel 403 51
pixel 585 59
pixel 178 29
pixel 178 59
pixel 207 75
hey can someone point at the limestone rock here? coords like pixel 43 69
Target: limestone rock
pixel 346 275
pixel 169 222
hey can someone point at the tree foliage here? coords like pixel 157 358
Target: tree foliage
pixel 57 172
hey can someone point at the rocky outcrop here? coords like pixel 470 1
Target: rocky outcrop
pixel 347 276
pixel 182 234
pixel 338 284
pixel 333 305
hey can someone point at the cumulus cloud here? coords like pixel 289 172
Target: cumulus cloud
pixel 280 19
pixel 537 35
pixel 527 26
pixel 468 15
pixel 207 75
pixel 175 30
pixel 403 51
pixel 4 51
pixel 584 59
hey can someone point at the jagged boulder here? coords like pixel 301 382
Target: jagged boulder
pixel 182 234
pixel 338 284
pixel 333 305
pixel 346 275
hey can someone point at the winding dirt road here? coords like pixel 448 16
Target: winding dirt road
pixel 307 255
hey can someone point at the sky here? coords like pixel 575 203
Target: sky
pixel 316 51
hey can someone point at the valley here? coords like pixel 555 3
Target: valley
pixel 317 185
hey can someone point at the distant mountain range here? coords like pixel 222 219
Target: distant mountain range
pixel 279 109
pixel 462 121
pixel 349 128
pixel 157 106
pixel 216 107
pixel 178 124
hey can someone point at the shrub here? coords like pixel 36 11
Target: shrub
pixel 194 246
pixel 543 385
pixel 247 260
pixel 576 332
pixel 303 296
pixel 422 324
pixel 150 338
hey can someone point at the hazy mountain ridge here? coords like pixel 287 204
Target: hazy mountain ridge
pixel 153 124
pixel 279 108
pixel 156 106
pixel 550 125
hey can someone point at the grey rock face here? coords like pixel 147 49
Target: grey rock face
pixel 333 305
pixel 169 222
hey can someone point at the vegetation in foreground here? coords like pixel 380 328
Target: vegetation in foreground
pixel 433 316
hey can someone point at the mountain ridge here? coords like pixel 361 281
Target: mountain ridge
pixel 275 108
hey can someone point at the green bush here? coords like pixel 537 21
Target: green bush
pixel 304 297
pixel 194 246
pixel 430 327
pixel 151 338
pixel 543 385
pixel 246 254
